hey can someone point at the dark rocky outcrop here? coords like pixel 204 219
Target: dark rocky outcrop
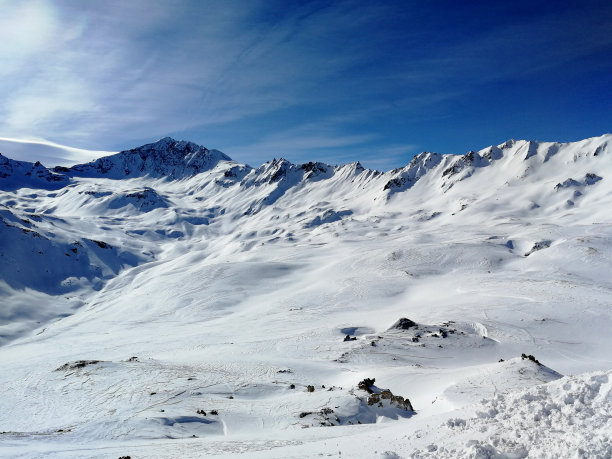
pixel 530 357
pixel 77 364
pixel 377 395
pixel 404 324
pixel 538 246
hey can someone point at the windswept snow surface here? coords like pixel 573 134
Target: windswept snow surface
pixel 169 302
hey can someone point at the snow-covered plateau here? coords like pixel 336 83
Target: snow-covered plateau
pixel 169 302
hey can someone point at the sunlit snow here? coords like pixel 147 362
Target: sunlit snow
pixel 169 302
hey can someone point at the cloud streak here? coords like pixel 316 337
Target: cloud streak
pixel 48 153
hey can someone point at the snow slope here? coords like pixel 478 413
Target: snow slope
pixel 168 301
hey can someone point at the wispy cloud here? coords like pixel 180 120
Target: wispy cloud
pixel 98 69
pixel 48 153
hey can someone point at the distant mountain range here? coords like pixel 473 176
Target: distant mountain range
pixel 192 191
pixel 174 159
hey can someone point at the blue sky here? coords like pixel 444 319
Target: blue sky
pixel 331 81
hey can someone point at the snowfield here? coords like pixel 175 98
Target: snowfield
pixel 169 302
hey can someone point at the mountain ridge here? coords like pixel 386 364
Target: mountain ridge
pixel 165 158
pixel 517 180
pixel 172 159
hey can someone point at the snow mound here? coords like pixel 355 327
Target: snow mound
pixel 365 404
pixel 144 200
pixel 550 420
pixel 329 216
pixel 410 343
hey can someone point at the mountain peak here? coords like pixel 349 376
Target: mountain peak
pixel 171 144
pixel 165 158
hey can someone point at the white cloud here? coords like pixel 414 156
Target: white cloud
pixel 26 29
pixel 47 152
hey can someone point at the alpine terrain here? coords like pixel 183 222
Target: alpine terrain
pixel 167 301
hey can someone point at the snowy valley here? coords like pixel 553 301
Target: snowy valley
pixel 167 301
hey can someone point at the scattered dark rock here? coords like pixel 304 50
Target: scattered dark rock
pixel 538 246
pixel 28 231
pixel 450 171
pixel 415 340
pixel 591 178
pixel 313 167
pixel 342 358
pixel 570 182
pixel 125 457
pixel 404 324
pixel 530 357
pixel 373 343
pixel 349 338
pixel 310 388
pixel 287 370
pixel 501 360
pixel 202 412
pixel 76 365
pixel 153 393
pixel 101 244
pixel 231 397
pixel 367 384
pixel 292 386
pixel 386 394
pixel 393 183
pixel 132 359
pixel 305 413
pixel 214 412
pixel 377 396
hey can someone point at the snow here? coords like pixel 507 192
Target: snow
pixel 147 290
pixel 567 418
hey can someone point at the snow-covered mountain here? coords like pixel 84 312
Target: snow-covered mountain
pixel 168 291
pixel 164 158
pixel 19 174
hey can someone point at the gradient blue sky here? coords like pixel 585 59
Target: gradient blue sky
pixel 375 81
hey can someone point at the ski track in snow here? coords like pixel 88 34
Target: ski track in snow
pixel 168 302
